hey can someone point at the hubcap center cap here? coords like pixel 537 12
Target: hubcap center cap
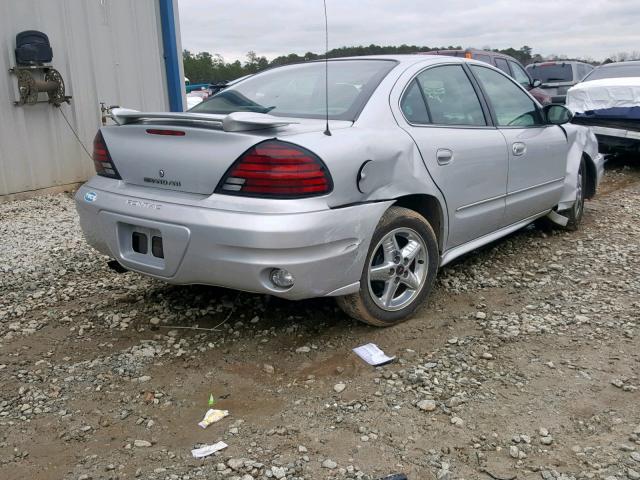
pixel 400 269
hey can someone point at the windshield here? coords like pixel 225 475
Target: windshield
pixel 299 90
pixel 614 71
pixel 551 73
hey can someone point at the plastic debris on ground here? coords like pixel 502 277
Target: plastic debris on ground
pixel 371 354
pixel 207 450
pixel 213 416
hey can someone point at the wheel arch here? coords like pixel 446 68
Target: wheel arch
pixel 430 208
pixel 592 175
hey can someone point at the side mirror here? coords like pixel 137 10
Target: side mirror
pixel 557 114
pixel 536 83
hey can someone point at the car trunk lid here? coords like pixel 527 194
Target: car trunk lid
pixel 194 162
pixel 191 152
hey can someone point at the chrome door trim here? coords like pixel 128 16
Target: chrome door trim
pixel 475 204
pixel 508 194
pixel 543 184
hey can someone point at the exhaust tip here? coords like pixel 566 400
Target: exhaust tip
pixel 116 267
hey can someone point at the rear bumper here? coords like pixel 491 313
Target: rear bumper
pixel 325 250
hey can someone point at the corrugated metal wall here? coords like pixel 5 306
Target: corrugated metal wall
pixel 107 51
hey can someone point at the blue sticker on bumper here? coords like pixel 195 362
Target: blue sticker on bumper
pixel 90 196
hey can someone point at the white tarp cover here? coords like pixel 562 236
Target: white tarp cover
pixel 604 93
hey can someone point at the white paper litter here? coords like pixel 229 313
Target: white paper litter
pixel 213 416
pixel 208 450
pixel 371 354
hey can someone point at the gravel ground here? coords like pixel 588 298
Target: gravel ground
pixel 524 364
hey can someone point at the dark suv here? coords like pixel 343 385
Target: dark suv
pixel 507 64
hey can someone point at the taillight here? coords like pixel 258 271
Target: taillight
pixel 277 169
pixel 102 159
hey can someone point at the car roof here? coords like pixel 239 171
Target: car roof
pixel 477 51
pixel 558 62
pixel 617 64
pixel 406 59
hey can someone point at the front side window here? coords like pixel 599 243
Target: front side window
pixel 450 97
pixel 512 106
pixel 519 74
pixel 299 90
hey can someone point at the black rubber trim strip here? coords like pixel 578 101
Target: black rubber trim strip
pixel 355 204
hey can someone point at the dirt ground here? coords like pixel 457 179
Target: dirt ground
pixel 525 363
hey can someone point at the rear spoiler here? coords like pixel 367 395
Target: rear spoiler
pixel 233 122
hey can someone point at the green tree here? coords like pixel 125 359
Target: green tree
pixel 203 67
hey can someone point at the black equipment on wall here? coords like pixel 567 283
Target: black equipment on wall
pixel 35 76
pixel 33 48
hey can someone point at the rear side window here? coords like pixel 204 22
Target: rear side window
pixel 512 106
pixel 413 105
pixel 450 97
pixel 519 74
pixel 501 63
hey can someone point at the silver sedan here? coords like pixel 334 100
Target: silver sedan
pixel 273 186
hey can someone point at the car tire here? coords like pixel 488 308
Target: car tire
pixel 399 270
pixel 575 213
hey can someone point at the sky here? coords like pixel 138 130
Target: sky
pixel 576 28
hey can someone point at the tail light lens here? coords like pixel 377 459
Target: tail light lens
pixel 102 159
pixel 277 169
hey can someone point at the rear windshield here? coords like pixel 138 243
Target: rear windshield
pixel 614 71
pixel 556 72
pixel 299 90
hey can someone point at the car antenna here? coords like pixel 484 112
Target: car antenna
pixel 326 68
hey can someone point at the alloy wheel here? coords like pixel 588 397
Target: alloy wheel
pixel 397 269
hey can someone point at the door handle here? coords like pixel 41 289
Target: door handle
pixel 444 156
pixel 519 148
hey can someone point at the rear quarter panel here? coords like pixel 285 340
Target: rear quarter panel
pixel 376 145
